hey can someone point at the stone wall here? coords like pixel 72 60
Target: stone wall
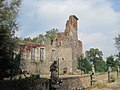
pixel 24 84
pixel 65 59
pixel 71 83
pixel 85 79
pixel 101 78
pixel 45 65
pixel 76 82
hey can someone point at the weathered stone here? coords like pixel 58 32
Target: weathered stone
pixel 65 49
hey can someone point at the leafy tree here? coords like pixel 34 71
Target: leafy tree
pixel 8 25
pixel 101 66
pixel 94 55
pixel 41 39
pixel 50 35
pixel 111 62
pixel 84 64
pixel 118 59
pixel 117 45
pixel 28 39
pixel 35 39
pixel 117 42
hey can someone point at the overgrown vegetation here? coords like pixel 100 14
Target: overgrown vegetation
pixel 41 39
pixel 8 26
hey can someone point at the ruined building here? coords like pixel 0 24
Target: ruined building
pixel 65 49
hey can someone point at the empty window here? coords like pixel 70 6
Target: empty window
pixel 33 54
pixel 42 54
pixel 53 55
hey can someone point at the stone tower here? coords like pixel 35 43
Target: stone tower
pixel 68 41
pixel 71 27
pixel 72 31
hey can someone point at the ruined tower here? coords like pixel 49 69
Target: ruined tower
pixel 68 46
pixel 72 31
pixel 65 49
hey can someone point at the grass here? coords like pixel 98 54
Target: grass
pixel 98 85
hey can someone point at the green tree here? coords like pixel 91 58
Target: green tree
pixel 39 39
pixel 84 64
pixel 8 25
pixel 118 59
pixel 117 45
pixel 117 42
pixel 101 66
pixel 94 55
pixel 50 35
pixel 42 39
pixel 26 40
pixel 111 62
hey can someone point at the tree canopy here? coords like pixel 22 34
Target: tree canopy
pixel 84 64
pixel 110 62
pixel 117 42
pixel 41 39
pixel 8 25
pixel 117 45
pixel 94 55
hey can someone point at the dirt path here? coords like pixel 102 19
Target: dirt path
pixel 109 86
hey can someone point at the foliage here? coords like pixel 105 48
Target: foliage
pixel 117 42
pixel 28 39
pixel 8 25
pixel 41 39
pixel 84 64
pixel 94 55
pixel 16 64
pixel 101 66
pixel 117 45
pixel 118 59
pixel 111 62
pixel 51 34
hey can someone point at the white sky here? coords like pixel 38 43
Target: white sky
pixel 99 20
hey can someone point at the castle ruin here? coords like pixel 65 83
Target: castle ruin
pixel 65 49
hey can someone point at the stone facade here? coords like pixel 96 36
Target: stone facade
pixel 65 49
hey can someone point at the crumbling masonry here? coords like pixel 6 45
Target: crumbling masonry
pixel 65 49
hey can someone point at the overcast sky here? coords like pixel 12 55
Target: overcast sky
pixel 99 20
